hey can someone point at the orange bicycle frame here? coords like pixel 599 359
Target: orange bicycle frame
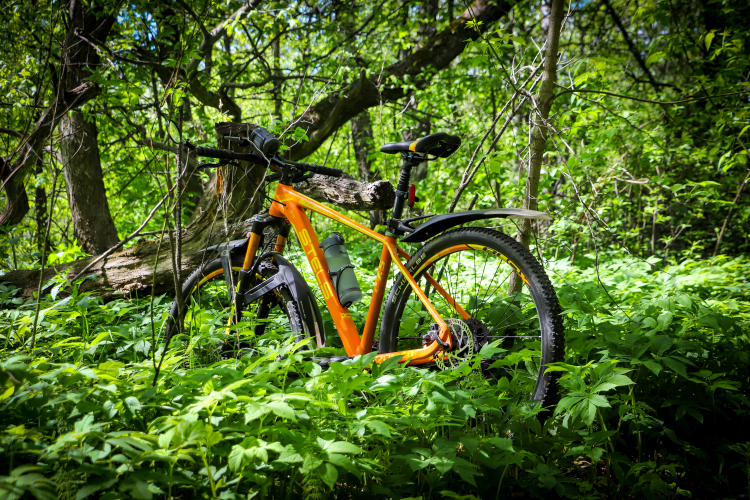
pixel 291 205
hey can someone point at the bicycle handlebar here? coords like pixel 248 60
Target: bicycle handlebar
pixel 223 154
pixel 317 169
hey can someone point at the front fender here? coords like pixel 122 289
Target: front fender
pixel 304 297
pixel 440 223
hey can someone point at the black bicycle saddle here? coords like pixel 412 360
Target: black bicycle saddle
pixel 440 144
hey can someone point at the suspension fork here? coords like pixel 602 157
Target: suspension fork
pixel 248 267
pixel 264 306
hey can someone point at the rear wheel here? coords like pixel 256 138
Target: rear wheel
pixel 474 267
pixel 209 316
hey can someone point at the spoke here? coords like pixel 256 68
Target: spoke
pixel 514 324
pixel 488 295
pixel 477 305
pixel 502 315
pixel 513 337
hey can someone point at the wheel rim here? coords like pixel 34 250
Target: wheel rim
pixel 478 278
pixel 209 321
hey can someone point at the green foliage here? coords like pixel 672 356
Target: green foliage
pixel 655 371
pixel 654 385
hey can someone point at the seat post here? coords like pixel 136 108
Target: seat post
pixel 402 191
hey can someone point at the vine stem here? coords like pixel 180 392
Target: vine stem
pixel 44 261
pixel 497 496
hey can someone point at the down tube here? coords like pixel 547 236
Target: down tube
pixel 309 241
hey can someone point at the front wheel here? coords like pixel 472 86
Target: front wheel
pixel 208 317
pixel 492 289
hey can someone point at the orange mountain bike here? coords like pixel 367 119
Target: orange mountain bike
pixel 450 298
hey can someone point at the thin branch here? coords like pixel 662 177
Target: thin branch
pixel 621 96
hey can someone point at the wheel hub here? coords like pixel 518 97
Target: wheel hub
pixel 479 331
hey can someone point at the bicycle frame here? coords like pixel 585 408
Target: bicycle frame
pixel 291 205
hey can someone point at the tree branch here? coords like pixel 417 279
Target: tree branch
pixel 13 176
pixel 325 117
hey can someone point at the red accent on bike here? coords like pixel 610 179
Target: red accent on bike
pixel 412 195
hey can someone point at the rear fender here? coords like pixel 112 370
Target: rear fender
pixel 440 223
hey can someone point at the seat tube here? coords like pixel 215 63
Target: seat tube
pixel 402 191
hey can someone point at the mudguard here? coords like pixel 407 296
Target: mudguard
pixel 305 300
pixel 233 246
pixel 291 278
pixel 439 223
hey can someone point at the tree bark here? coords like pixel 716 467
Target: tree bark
pixel 544 104
pixel 539 136
pixel 93 226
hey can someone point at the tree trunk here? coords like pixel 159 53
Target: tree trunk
pixel 539 136
pixel 362 141
pixel 84 23
pixel 132 270
pixel 92 223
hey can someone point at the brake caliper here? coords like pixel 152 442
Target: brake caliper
pixel 433 335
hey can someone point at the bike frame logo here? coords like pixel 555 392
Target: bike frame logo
pixel 317 268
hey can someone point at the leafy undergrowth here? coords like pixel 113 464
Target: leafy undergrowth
pixel 654 405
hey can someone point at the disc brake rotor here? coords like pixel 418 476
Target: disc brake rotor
pixel 463 345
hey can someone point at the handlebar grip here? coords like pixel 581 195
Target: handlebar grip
pixel 223 154
pixel 332 172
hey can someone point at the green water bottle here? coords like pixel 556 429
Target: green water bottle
pixel 341 270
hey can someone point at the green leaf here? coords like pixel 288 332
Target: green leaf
pixel 655 57
pixel 709 38
pixel 675 366
pixel 344 447
pixel 140 491
pixel 235 458
pixel 653 366
pixel 282 409
pixel 501 443
pixel 290 455
pixel 133 404
pixel 599 400
pixel 379 427
pixel 611 382
pixel 330 475
pixel 255 411
pixel 87 490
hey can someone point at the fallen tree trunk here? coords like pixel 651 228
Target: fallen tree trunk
pixel 135 270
